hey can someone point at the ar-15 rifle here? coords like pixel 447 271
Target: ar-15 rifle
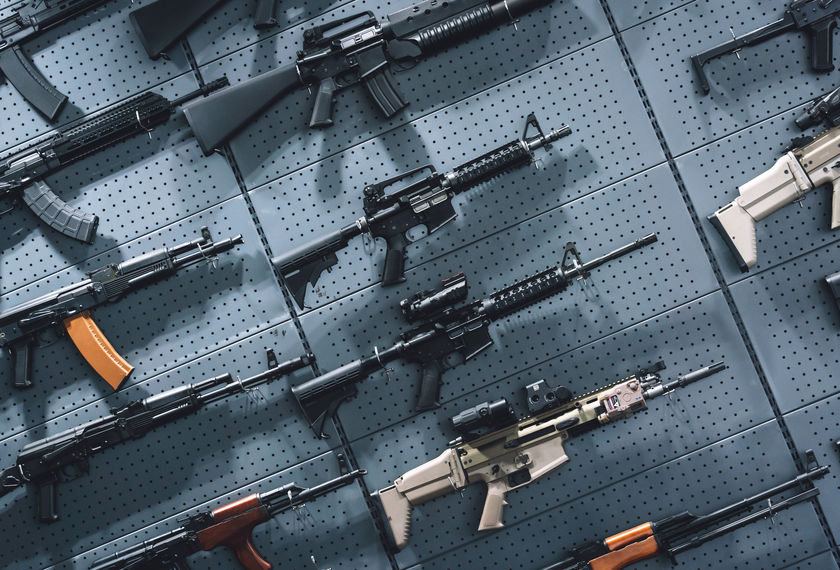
pixel 426 202
pixel 69 307
pixel 678 533
pixel 43 463
pixel 163 22
pixel 817 18
pixel 446 331
pixel 352 50
pixel 513 453
pixel 230 525
pixel 810 163
pixel 22 174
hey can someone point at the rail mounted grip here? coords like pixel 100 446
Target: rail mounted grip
pixel 394 270
pixel 430 381
pixel 822 45
pixel 235 533
pixel 162 23
pixel 96 349
pixel 647 548
pixel 21 352
pixel 47 501
pixel 57 214
pixel 218 117
pixel 264 14
pixel 33 86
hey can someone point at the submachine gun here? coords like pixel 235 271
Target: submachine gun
pixel 810 162
pixel 817 18
pixel 66 455
pixel 346 52
pixel 506 453
pixel 426 202
pixel 445 331
pixel 229 525
pixel 22 173
pixel 69 308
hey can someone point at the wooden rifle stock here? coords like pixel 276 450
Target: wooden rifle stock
pixel 633 552
pixel 236 522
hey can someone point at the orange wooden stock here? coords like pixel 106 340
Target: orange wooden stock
pixel 235 533
pixel 96 349
pixel 648 548
pixel 628 536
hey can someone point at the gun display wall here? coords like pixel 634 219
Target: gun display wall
pixel 295 380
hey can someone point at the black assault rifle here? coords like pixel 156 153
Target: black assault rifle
pixel 446 330
pixel 352 50
pixel 22 173
pixel 66 455
pixel 426 202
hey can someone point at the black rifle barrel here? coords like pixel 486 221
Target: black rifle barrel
pixel 279 500
pixel 244 385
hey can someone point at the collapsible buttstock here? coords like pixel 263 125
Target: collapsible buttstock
pixel 622 558
pixel 57 214
pixel 96 349
pixel 29 82
pixel 397 510
pixel 737 229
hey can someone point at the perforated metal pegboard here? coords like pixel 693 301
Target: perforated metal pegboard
pixel 647 153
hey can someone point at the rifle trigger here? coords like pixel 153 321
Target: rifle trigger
pixel 272 358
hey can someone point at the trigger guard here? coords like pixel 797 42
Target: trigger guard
pixel 421 231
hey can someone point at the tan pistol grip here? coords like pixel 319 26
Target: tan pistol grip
pixel 96 349
pixel 491 516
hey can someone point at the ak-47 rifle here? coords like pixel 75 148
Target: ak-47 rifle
pixel 513 453
pixel 69 307
pixel 445 331
pixel 678 533
pixel 43 463
pixel 230 525
pixel 352 50
pixel 163 22
pixel 426 202
pixel 817 18
pixel 809 163
pixel 22 174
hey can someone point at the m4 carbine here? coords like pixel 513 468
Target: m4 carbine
pixel 22 173
pixel 426 202
pixel 69 307
pixel 515 453
pixel 230 525
pixel 678 533
pixel 817 18
pixel 352 50
pixel 163 22
pixel 43 463
pixel 446 330
pixel 810 163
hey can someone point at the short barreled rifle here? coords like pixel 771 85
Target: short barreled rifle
pixel 817 18
pixel 426 202
pixel 68 308
pixel 445 330
pixel 66 455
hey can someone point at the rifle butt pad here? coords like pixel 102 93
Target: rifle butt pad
pixel 33 86
pixel 57 214
pixel 218 117
pixel 96 349
pixel 396 514
pixel 737 229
